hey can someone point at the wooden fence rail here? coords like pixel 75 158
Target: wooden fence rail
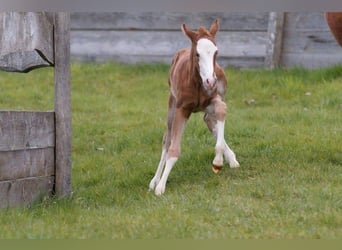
pixel 256 39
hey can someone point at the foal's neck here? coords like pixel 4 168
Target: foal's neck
pixel 195 78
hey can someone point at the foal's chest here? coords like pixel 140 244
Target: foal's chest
pixel 194 101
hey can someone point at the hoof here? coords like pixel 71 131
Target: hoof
pixel 159 190
pixel 234 164
pixel 216 169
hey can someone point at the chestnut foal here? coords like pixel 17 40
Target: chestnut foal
pixel 197 83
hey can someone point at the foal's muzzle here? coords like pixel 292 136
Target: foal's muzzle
pixel 210 82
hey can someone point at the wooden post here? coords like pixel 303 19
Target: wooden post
pixel 275 39
pixel 62 104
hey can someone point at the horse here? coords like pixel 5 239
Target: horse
pixel 196 83
pixel 334 21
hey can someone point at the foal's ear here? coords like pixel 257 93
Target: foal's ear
pixel 214 27
pixel 189 33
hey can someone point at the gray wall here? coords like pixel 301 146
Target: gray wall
pixel 242 40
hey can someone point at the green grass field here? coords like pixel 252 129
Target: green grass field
pixel 285 127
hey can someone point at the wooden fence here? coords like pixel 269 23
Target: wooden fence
pixel 308 41
pixel 27 156
pixel 259 39
pixel 35 147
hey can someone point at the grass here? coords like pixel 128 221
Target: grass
pixel 284 125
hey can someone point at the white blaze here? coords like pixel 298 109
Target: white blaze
pixel 206 50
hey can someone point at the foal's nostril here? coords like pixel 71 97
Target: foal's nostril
pixel 211 82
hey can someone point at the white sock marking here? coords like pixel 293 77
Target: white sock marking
pixel 160 188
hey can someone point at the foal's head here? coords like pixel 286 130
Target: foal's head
pixel 203 53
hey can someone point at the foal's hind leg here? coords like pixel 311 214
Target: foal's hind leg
pixel 173 152
pixel 155 180
pixel 166 144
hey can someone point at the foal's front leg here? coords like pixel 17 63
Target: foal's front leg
pixel 221 147
pixel 173 152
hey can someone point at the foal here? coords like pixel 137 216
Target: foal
pixel 197 83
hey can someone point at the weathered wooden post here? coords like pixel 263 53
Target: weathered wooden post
pixel 62 104
pixel 35 147
pixel 275 39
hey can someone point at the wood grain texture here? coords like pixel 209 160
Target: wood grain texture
pixel 303 21
pixel 35 147
pixel 62 104
pixel 26 40
pixel 310 61
pixel 308 42
pixel 242 21
pixel 26 130
pixel 275 40
pixel 243 38
pixel 27 163
pixel 155 37
pixel 24 192
pixel 149 46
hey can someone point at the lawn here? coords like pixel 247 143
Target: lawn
pixel 285 127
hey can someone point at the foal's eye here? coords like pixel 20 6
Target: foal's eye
pixel 197 55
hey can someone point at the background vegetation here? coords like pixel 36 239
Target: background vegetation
pixel 284 125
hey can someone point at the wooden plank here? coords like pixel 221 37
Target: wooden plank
pixel 62 104
pixel 27 163
pixel 275 39
pixel 224 61
pixel 310 42
pixel 307 42
pixel 242 21
pixel 23 130
pixel 242 62
pixel 24 192
pixel 305 21
pixel 310 61
pixel 144 38
pixel 117 44
pixel 25 40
